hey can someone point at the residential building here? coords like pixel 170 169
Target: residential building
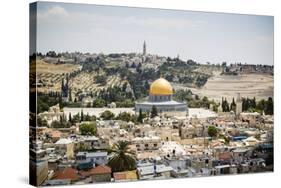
pixel 100 173
pixel 147 143
pixel 96 158
pixel 151 171
pixel 125 176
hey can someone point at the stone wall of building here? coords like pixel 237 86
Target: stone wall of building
pixel 101 177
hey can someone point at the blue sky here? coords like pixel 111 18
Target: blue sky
pixel 213 37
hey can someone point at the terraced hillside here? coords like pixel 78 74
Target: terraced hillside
pixel 49 76
pixel 87 82
pixel 260 86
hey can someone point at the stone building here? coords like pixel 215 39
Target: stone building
pixel 160 96
pixel 190 130
pixel 52 114
pixel 100 173
pixel 147 143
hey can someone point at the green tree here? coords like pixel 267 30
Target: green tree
pixel 225 106
pixel 244 104
pixel 42 105
pixel 82 116
pixel 99 103
pixel 140 117
pixel 41 122
pixel 87 117
pixel 63 122
pixel 70 95
pixel 154 112
pixel 125 116
pixel 93 118
pixel 123 159
pixel 205 102
pixel 212 131
pixel 215 108
pixel 88 129
pixel 233 105
pixel 269 106
pixel 60 102
pixel 107 115
pixel 254 105
pixel 76 118
pixel 56 124
pixel 101 79
pixel 261 105
pixel 69 117
pixel 45 101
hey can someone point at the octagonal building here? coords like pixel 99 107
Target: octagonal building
pixel 160 96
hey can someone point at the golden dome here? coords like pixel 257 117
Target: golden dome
pixel 161 87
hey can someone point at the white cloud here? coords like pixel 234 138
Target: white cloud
pixel 59 14
pixel 52 14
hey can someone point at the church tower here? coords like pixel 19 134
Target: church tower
pixel 144 49
pixel 238 104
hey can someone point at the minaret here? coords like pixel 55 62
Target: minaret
pixel 144 49
pixel 238 104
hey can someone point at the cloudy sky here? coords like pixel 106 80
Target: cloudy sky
pixel 199 36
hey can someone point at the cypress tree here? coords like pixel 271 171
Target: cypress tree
pixel 69 117
pixel 60 102
pixel 254 103
pixel 140 117
pixel 233 105
pixel 82 115
pixel 69 95
pixel 154 112
pixel 269 106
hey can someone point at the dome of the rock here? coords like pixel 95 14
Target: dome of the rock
pixel 161 87
pixel 160 97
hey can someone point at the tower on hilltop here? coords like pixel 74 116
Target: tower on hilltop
pixel 144 49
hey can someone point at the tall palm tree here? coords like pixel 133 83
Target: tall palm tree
pixel 123 159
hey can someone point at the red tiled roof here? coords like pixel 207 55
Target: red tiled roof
pixel 66 173
pixel 55 134
pixel 102 169
pixel 225 156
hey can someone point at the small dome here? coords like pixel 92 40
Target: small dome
pixel 161 87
